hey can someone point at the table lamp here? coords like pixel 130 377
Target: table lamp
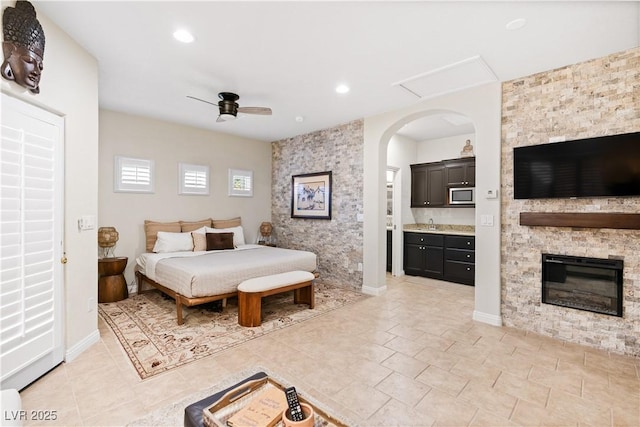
pixel 107 238
pixel 266 236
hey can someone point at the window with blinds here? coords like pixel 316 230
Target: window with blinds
pixel 194 179
pixel 133 175
pixel 240 183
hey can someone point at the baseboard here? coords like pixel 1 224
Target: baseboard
pixel 369 290
pixel 491 319
pixel 83 345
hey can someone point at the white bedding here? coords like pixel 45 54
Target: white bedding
pixel 199 274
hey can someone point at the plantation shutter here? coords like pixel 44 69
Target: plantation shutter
pixel 194 179
pixel 31 246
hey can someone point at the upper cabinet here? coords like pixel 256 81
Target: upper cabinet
pixel 430 182
pixel 428 185
pixel 461 172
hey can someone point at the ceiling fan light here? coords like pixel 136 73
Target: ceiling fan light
pixel 226 117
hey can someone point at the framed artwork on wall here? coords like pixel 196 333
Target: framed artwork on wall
pixel 311 195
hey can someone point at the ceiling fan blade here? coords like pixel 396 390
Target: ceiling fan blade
pixel 265 111
pixel 202 100
pixel 219 119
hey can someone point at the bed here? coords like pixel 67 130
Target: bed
pixel 194 277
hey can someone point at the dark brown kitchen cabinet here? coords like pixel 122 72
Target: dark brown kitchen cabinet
pixel 461 172
pixel 460 259
pixel 440 256
pixel 389 250
pixel 430 182
pixel 428 185
pixel 424 255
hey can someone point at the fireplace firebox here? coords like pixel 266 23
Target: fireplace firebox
pixel 590 284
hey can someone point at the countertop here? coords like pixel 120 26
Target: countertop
pixel 453 229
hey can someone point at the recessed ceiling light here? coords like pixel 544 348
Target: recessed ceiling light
pixel 342 88
pixel 299 119
pixel 183 36
pixel 516 24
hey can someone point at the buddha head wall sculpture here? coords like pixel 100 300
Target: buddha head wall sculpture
pixel 23 46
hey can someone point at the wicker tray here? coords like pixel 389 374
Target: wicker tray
pixel 217 414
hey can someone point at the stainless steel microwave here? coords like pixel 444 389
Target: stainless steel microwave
pixel 462 196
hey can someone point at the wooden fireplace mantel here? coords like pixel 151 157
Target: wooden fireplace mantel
pixel 581 219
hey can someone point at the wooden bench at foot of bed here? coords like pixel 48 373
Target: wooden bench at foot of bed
pixel 251 292
pixel 181 299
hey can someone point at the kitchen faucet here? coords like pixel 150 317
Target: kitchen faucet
pixel 432 226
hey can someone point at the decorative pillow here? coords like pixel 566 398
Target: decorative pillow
pixel 226 223
pixel 173 242
pixel 219 241
pixel 194 225
pixel 151 229
pixel 199 241
pixel 238 234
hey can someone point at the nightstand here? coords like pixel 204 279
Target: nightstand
pixel 111 285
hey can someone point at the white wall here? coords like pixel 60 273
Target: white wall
pixel 69 88
pixel 168 144
pixel 435 150
pixel 483 106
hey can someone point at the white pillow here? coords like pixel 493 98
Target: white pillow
pixel 173 242
pixel 238 234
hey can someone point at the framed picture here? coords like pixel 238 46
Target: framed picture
pixel 311 195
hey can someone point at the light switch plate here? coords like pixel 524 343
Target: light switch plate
pixel 87 222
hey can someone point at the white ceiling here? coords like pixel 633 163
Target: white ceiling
pixel 291 55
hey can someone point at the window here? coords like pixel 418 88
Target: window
pixel 240 183
pixel 133 175
pixel 194 179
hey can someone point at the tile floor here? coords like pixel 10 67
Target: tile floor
pixel 411 357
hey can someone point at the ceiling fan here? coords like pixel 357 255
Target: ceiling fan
pixel 229 108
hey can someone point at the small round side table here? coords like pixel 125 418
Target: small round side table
pixel 111 285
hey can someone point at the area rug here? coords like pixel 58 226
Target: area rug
pixel 147 329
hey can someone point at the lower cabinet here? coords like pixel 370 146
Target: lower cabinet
pixel 424 255
pixel 389 250
pixel 459 259
pixel 440 256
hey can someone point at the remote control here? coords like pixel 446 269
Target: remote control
pixel 294 405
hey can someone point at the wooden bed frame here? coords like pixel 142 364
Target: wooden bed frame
pixel 180 299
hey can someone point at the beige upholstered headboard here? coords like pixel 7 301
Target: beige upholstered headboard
pixel 151 228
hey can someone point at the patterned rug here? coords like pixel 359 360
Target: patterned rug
pixel 147 329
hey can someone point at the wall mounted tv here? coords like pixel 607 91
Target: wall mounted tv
pixel 607 166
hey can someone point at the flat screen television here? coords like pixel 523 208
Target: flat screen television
pixel 607 166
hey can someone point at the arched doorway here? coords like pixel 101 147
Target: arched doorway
pixel 482 105
pixel 433 137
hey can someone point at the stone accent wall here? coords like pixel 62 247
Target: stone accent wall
pixel 594 98
pixel 337 242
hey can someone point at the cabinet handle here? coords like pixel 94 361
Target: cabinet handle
pixel 468 256
pixel 468 243
pixel 424 203
pixel 428 202
pixel 468 268
pixel 421 239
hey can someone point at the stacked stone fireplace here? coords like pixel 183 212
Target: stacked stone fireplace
pixel 584 100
